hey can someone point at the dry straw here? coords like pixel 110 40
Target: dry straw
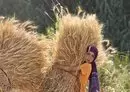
pixel 21 57
pixel 25 59
pixel 74 35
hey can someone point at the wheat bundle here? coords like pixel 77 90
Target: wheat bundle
pixel 74 35
pixel 21 57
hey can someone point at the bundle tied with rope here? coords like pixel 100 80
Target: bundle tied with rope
pixel 74 35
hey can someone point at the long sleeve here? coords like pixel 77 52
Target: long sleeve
pixel 84 75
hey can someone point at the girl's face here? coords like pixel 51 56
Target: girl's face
pixel 89 57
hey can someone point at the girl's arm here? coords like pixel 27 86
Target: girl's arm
pixel 68 68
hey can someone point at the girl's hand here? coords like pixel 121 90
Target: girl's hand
pixel 84 62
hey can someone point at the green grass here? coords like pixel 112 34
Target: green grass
pixel 115 75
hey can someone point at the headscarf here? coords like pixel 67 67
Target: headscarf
pixel 94 50
pixel 93 78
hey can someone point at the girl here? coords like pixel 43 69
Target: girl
pixel 88 70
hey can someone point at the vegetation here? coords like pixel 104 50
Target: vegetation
pixel 115 15
pixel 114 75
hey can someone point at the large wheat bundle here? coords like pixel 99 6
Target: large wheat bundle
pixel 74 35
pixel 21 57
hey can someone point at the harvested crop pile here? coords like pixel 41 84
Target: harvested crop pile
pixel 74 35
pixel 21 57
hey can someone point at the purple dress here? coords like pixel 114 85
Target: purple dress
pixel 93 79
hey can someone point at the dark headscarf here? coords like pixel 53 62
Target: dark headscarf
pixel 93 78
pixel 94 50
